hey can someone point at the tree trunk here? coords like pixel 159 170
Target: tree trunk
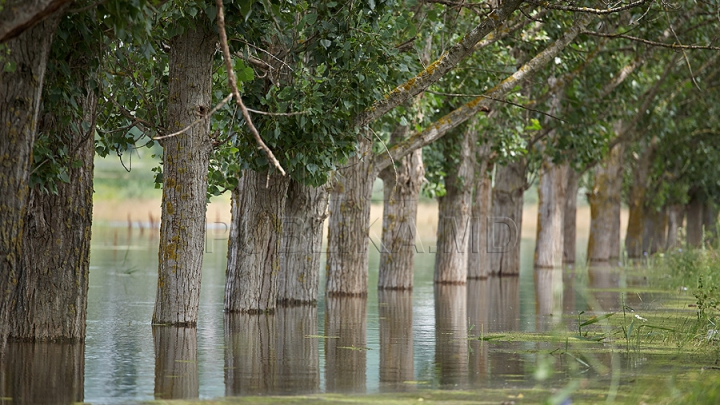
pixel 710 219
pixel 258 204
pixel 51 296
pixel 346 355
pixel 250 354
pixel 570 217
pixel 305 213
pixel 634 235
pixel 478 259
pixel 43 373
pixel 694 214
pixel 506 222
pixel 401 185
pixel 20 92
pixel 676 215
pixel 185 166
pixel 451 332
pixel 347 258
pixel 297 354
pixel 455 210
pixel 396 340
pixel 654 230
pixel 604 201
pixel 551 208
pixel 176 362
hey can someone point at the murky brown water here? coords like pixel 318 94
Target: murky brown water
pixel 390 341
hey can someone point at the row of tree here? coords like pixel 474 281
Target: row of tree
pixel 495 94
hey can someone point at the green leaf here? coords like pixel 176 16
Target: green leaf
pixel 325 43
pixel 596 319
pixel 9 67
pixel 245 8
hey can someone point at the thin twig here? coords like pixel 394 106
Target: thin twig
pixel 278 114
pixel 652 43
pixel 197 121
pixel 598 11
pixel 498 100
pixel 232 81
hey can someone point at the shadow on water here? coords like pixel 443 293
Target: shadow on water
pixel 42 373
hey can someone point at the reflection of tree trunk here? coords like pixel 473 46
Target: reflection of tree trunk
pixel 478 312
pixel 43 373
pixel 551 209
pixel 305 212
pixel 345 345
pixel 549 297
pixel 258 204
pixel 570 217
pixel 451 332
pixel 20 92
pixel 399 232
pixel 694 214
pixel 185 168
pixel 176 362
pixel 602 277
pixel 676 215
pixel 507 202
pixel 297 354
pixel 604 198
pixel 455 210
pixel 504 304
pixel 396 340
pixel 250 354
pixel 350 197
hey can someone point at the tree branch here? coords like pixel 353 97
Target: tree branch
pixel 20 15
pixel 232 81
pixel 462 114
pixel 589 10
pixel 442 65
pixel 653 43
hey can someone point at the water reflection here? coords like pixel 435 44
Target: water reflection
pixel 298 354
pixel 604 281
pixel 396 340
pixel 250 354
pixel 345 345
pixel 451 333
pixel 176 365
pixel 42 373
pixel 548 297
pixel 504 293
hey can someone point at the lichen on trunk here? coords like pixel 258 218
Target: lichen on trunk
pixel 604 199
pixel 551 209
pixel 185 165
pixel 506 220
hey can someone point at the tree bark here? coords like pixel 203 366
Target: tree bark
pixel 604 201
pixel 478 256
pixel 250 348
pixel 396 340
pixel 258 205
pixel 401 185
pixel 20 92
pixel 676 216
pixel 345 347
pixel 297 353
pixel 710 219
pixel 570 217
pixel 506 222
pixel 43 373
pixel 654 230
pixel 17 16
pixel 51 295
pixel 694 214
pixel 634 235
pixel 350 198
pixel 176 362
pixel 455 210
pixel 185 165
pixel 305 212
pixel 451 332
pixel 551 208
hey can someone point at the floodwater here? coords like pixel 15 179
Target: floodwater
pixel 388 342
